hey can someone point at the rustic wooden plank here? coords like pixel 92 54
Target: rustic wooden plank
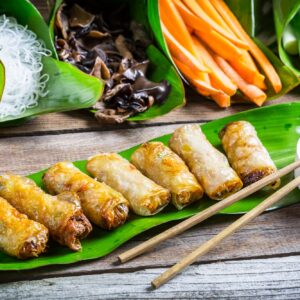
pixel 276 278
pixel 272 234
pixel 197 110
pixel 30 154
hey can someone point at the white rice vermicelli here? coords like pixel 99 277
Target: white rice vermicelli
pixel 21 54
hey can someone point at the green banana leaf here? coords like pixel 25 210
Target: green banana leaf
pixel 277 127
pixel 284 13
pixel 2 79
pixel 160 68
pixel 68 88
pixel 256 16
pixel 248 12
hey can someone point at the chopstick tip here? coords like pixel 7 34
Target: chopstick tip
pixel 154 284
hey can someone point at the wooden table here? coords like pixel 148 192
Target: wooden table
pixel 261 261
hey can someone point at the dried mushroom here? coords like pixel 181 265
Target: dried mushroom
pixel 109 46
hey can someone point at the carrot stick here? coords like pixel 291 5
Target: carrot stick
pixel 193 6
pixel 192 75
pixel 219 79
pixel 178 51
pixel 251 91
pixel 220 45
pixel 249 75
pixel 234 24
pixel 245 65
pixel 248 70
pixel 191 19
pixel 222 99
pixel 175 24
pixel 205 89
pixel 213 14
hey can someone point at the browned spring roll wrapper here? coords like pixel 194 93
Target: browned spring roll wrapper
pixel 19 236
pixel 210 166
pixel 162 165
pixel 145 196
pixel 246 153
pixel 100 203
pixel 65 220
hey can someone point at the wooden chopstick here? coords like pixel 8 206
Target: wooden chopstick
pixel 205 214
pixel 245 219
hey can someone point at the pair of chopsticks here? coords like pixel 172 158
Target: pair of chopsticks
pixel 212 210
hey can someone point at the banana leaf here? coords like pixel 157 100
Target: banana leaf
pixel 277 127
pixel 284 13
pixel 2 79
pixel 68 88
pixel 249 13
pixel 159 69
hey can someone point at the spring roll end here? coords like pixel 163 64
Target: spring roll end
pixel 153 204
pixel 76 228
pixel 227 189
pixel 34 245
pixel 258 174
pixel 186 197
pixel 112 218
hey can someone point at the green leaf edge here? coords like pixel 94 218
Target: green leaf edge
pixel 281 21
pixel 2 79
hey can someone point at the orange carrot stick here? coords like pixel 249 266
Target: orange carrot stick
pixel 248 74
pixel 245 66
pixel 191 19
pixel 251 91
pixel 213 14
pixel 178 51
pixel 219 79
pixel 205 89
pixel 234 24
pixel 220 45
pixel 175 24
pixel 222 99
pixel 193 6
pixel 192 75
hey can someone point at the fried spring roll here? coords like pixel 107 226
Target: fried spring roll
pixel 246 153
pixel 145 196
pixel 210 166
pixel 65 220
pixel 19 236
pixel 100 203
pixel 162 165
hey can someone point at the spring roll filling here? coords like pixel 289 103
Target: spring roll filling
pixel 114 214
pixel 34 246
pixel 75 229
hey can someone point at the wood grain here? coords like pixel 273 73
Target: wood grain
pixel 197 110
pixel 24 155
pixel 276 278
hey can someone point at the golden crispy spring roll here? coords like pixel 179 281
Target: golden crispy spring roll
pixel 100 203
pixel 145 196
pixel 246 153
pixel 210 166
pixel 65 220
pixel 19 236
pixel 162 165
